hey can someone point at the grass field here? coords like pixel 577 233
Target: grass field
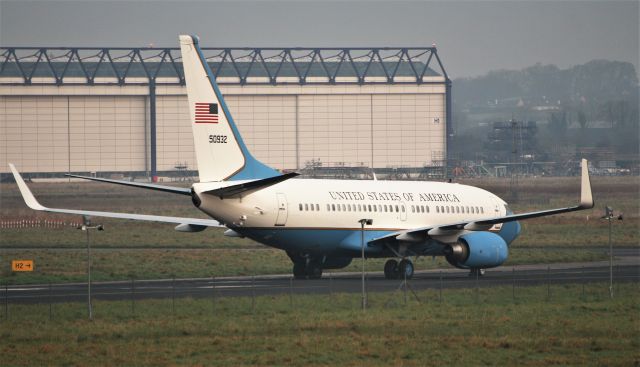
pixel 147 250
pixel 464 329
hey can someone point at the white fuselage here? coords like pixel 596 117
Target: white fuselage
pixel 340 204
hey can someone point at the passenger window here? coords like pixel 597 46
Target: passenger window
pixel 457 209
pixel 397 209
pixel 311 207
pixel 333 207
pixel 385 208
pixel 300 207
pixel 447 208
pixel 402 208
pixel 413 209
pixel 427 208
pixel 482 210
pixel 437 209
pixel 369 208
pixel 348 207
pixel 317 207
pixel 306 207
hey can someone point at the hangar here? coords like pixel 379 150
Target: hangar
pixel 124 110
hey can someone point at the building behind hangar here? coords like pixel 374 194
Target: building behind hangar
pixel 125 110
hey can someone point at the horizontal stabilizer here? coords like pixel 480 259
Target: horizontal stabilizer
pixel 233 190
pixel 171 189
pixel 32 203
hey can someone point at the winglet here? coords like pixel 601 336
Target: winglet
pixel 586 197
pixel 28 197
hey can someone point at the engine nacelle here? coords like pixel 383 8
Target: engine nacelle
pixel 477 250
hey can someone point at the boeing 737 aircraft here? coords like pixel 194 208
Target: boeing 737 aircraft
pixel 319 222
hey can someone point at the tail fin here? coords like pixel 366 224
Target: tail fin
pixel 220 151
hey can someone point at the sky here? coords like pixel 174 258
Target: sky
pixel 472 37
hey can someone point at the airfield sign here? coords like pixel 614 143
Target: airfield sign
pixel 22 265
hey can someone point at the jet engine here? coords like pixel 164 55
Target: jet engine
pixel 478 250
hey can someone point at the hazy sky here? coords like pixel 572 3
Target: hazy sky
pixel 472 37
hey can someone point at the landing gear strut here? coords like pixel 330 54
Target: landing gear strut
pixel 304 268
pixel 395 270
pixel 476 271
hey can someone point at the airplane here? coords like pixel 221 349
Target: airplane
pixel 325 223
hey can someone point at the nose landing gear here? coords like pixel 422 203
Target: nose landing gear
pixel 307 270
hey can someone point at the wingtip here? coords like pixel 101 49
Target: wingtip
pixel 586 195
pixel 27 195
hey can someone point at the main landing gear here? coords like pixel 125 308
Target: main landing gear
pixel 476 272
pixel 307 270
pixel 398 270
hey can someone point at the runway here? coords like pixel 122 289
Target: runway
pixel 626 269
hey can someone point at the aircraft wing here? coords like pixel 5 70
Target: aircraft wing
pixel 32 203
pixel 171 189
pixel 418 234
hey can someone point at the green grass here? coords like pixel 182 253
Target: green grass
pixel 465 329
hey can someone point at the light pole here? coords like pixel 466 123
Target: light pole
pixel 608 215
pixel 86 226
pixel 364 292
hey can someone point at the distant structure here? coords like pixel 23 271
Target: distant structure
pixel 124 110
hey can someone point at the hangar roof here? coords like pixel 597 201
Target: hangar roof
pixel 20 65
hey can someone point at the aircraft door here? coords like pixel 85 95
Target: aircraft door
pixel 496 213
pixel 281 219
pixel 403 211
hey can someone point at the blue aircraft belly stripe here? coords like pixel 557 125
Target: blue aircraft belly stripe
pixel 313 240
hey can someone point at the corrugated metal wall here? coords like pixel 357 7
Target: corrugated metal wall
pixel 285 128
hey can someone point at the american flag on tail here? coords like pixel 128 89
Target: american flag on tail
pixel 206 113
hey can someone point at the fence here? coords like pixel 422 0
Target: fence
pixel 514 285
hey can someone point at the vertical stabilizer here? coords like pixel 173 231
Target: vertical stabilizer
pixel 220 151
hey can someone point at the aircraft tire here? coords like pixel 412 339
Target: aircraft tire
pixel 391 269
pixel 405 269
pixel 299 271
pixel 314 271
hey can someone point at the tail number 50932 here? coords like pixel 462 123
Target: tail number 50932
pixel 217 139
